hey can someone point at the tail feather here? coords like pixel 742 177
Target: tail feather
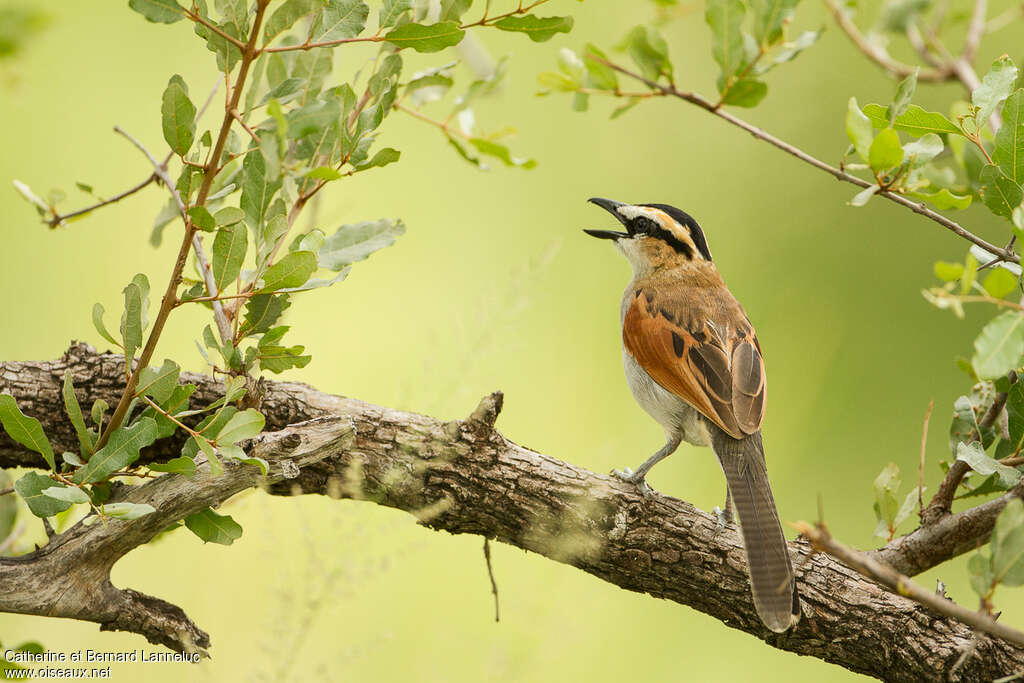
pixel 771 573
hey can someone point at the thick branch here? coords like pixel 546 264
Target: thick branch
pixel 464 477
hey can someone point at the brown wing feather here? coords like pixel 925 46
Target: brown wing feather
pixel 715 368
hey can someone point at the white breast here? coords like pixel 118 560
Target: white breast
pixel 673 413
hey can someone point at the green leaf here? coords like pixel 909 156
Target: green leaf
pixel 392 10
pixel 236 453
pixel 31 486
pixel 1009 147
pixel 858 129
pixel 74 411
pixel 746 92
pixel 202 218
pixel 181 465
pixel 896 15
pixel 67 494
pixel 601 76
pixel 995 87
pixel 214 528
pixel 920 152
pixel 340 19
pixel 262 311
pixel 1008 545
pixel 291 271
pixel 134 317
pixel 944 199
pixel 999 347
pixel 99 409
pixel 1000 194
pixel 383 157
pixel 229 215
pixel 452 10
pixel 158 383
pixel 769 18
pixel 904 93
pixel 915 120
pixel 257 190
pixel 539 29
pixel 178 116
pixel 949 272
pixel 174 404
pixel 864 196
pixel 979 568
pixel 426 38
pixel 97 322
pixel 127 511
pixel 25 430
pixel 158 11
pixel 557 81
pixel 8 507
pixel 886 151
pixel 885 486
pixel 229 247
pixel 725 18
pixel 287 13
pixel 649 51
pixel 121 450
pixel 977 460
pixel 501 152
pixel 357 241
pixel 1000 282
pixel 242 425
pixel 275 358
pixel 791 48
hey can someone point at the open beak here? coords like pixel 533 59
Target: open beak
pixel 611 206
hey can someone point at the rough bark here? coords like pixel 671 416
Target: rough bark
pixel 465 477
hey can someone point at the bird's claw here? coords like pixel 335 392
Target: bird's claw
pixel 630 477
pixel 722 517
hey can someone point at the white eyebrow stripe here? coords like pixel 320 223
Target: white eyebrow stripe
pixel 632 212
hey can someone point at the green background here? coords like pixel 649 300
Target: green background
pixel 495 287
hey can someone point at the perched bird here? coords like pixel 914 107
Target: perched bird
pixel 694 364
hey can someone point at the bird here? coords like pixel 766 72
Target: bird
pixel 693 362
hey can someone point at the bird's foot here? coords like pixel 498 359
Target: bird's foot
pixel 723 518
pixel 629 476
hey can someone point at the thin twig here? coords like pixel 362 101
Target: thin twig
pixel 223 324
pixel 6 491
pixel 170 293
pixel 12 537
pixel 878 55
pixel 975 30
pixel 490 573
pixel 942 501
pixel 59 218
pixel 902 585
pixel 238 117
pixel 213 27
pixel 916 207
pixel 920 466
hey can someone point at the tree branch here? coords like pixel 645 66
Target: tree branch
pixel 464 477
pixel 896 582
pixel 879 56
pixel 916 207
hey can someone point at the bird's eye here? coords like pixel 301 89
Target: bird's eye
pixel 645 225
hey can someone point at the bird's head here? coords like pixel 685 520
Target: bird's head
pixel 656 235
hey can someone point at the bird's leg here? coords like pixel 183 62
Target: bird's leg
pixel 638 477
pixel 724 516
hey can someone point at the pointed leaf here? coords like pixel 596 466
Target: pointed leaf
pixel 1000 194
pixel 25 430
pixel 229 247
pixel 159 383
pixel 121 450
pixel 426 38
pixel 244 424
pixel 291 271
pixel 97 322
pixel 539 29
pixel 915 120
pixel 31 486
pixel 340 19
pixel 74 411
pixel 159 11
pixel 214 528
pixel 995 87
pixel 999 347
pixel 178 115
pixel 181 465
pixel 1009 148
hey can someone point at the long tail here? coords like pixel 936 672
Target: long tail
pixel 771 573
